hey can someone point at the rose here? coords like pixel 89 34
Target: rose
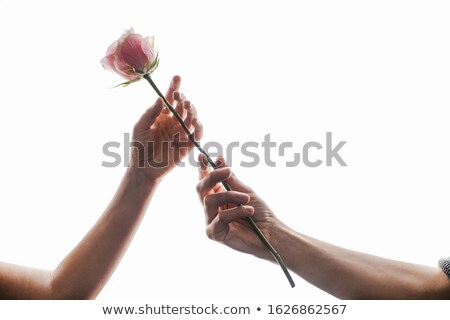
pixel 132 56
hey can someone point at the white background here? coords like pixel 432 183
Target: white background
pixel 376 74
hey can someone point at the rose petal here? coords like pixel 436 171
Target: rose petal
pixel 132 53
pixel 112 48
pixel 125 35
pixel 123 69
pixel 131 56
pixel 108 63
pixel 147 47
pixel 148 44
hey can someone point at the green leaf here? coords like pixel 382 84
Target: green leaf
pixel 127 83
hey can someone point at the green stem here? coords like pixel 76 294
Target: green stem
pixel 252 223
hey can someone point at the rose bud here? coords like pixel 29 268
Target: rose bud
pixel 132 56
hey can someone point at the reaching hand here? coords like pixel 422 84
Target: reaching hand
pixel 159 141
pixel 225 220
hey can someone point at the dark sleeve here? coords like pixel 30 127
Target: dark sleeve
pixel 444 264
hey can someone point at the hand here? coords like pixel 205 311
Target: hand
pixel 159 141
pixel 225 220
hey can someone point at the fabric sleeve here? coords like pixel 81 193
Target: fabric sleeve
pixel 444 264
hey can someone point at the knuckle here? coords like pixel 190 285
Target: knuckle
pixel 221 217
pixel 209 234
pixel 198 187
pixel 208 201
pixel 219 175
pixel 232 177
pixel 211 179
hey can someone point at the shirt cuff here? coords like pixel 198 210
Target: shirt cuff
pixel 444 264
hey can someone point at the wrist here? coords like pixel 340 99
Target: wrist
pixel 282 239
pixel 140 180
pixel 276 235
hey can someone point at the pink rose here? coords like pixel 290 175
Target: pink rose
pixel 132 56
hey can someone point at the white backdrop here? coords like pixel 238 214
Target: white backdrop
pixel 376 74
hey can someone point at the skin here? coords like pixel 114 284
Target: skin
pixel 85 270
pixel 344 273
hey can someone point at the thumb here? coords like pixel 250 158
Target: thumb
pixel 233 181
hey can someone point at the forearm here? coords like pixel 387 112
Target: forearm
pixel 18 282
pixel 349 274
pixel 86 269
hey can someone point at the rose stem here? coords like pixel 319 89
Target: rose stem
pixel 252 223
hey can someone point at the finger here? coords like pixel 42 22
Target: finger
pixel 198 129
pixel 149 117
pixel 191 114
pixel 220 162
pixel 180 100
pixel 214 201
pixel 218 228
pixel 209 181
pixel 203 168
pixel 174 86
pixel 233 181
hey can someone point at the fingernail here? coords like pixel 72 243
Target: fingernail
pixel 249 209
pixel 244 197
pixel 203 161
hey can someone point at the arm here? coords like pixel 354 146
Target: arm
pixel 86 269
pixel 341 272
